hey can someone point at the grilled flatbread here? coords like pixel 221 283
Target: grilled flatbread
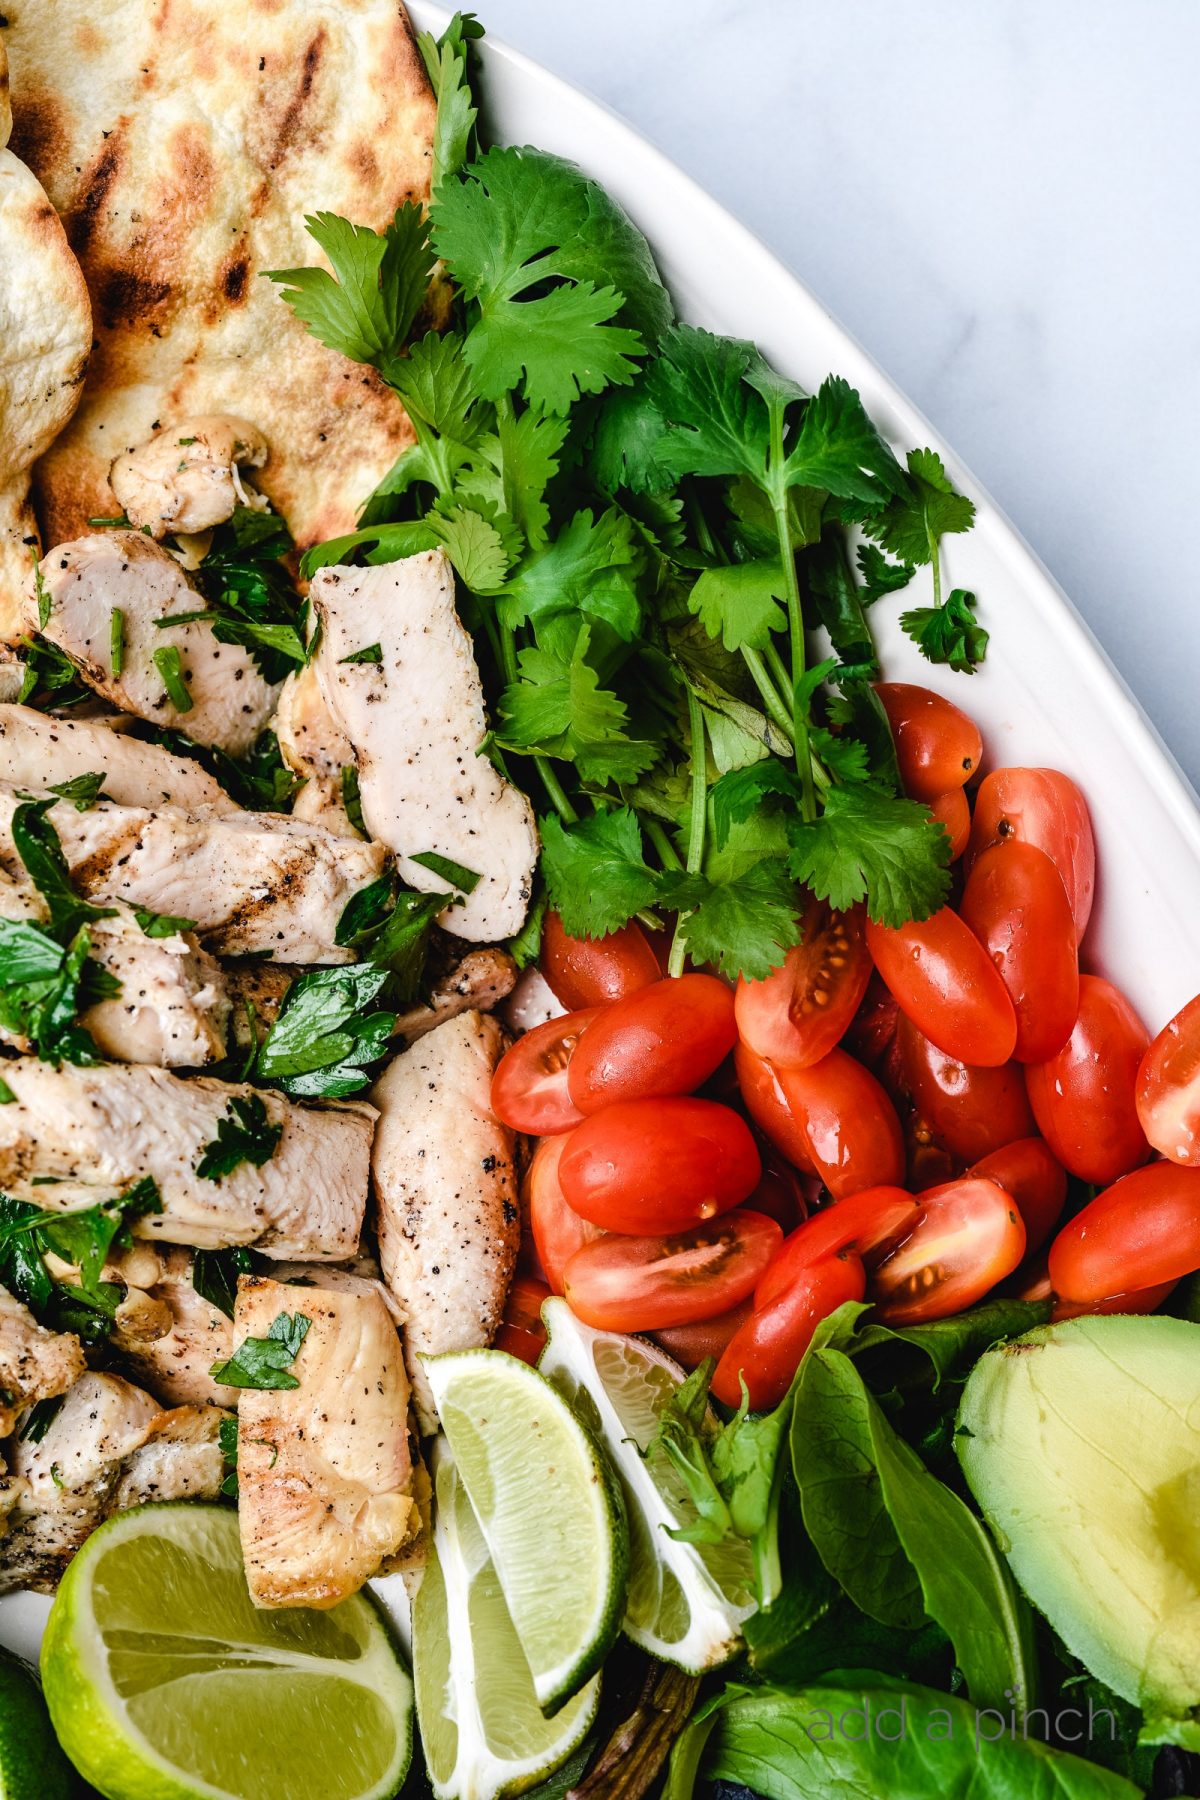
pixel 183 141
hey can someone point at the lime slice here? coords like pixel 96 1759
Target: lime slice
pixel 686 1603
pixel 32 1767
pixel 165 1683
pixel 548 1507
pixel 483 1732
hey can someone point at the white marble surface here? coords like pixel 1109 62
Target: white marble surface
pixel 999 199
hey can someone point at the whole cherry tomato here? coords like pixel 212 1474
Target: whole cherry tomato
pixel 1168 1088
pixel 944 980
pixel 937 745
pixel 529 1088
pixel 557 1231
pixel 651 1166
pixel 968 1110
pixel 665 1039
pixel 797 1015
pixel 648 1283
pixel 690 1344
pixel 1027 1170
pixel 1142 1231
pixel 866 1223
pixel 1042 807
pixel 1143 1300
pixel 953 811
pixel 521 1330
pixel 779 1193
pixel 927 1160
pixel 584 971
pixel 835 1114
pixel 766 1351
pixel 1017 906
pixel 1083 1098
pixel 968 1236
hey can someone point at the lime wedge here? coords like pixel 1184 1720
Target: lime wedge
pixel 686 1603
pixel 482 1730
pixel 32 1767
pixel 165 1683
pixel 549 1509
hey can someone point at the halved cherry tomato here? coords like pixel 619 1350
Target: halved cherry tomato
pixel 529 1088
pixel 644 1166
pixel 1144 1300
pixel 797 1015
pixel 765 1352
pixel 665 1039
pixel 690 1344
pixel 1027 1170
pixel 865 1223
pixel 835 1115
pixel 970 1111
pixel 1042 807
pixel 872 1031
pixel 1168 1088
pixel 647 1283
pixel 557 1231
pixel 1083 1098
pixel 1140 1232
pixel 969 1236
pixel 944 980
pixel 779 1193
pixel 1017 906
pixel 584 971
pixel 521 1330
pixel 937 745
pixel 954 812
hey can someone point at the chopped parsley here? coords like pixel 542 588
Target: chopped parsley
pixel 245 1134
pixel 266 1362
pixel 169 665
pixel 82 791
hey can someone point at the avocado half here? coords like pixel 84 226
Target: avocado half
pixel 1081 1443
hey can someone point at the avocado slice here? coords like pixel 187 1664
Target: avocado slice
pixel 1081 1443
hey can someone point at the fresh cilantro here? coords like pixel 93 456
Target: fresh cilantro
pixel 740 793
pixel 925 509
pixel 227 1440
pixel 215 1275
pixel 879 576
pixel 245 1134
pixel 464 880
pixel 251 599
pixel 596 874
pixel 266 1362
pixel 526 947
pixel 326 1038
pixel 51 681
pixel 949 633
pixel 391 929
pixel 886 850
pixel 161 925
pixel 739 603
pixel 447 63
pixel 38 845
pixel 259 780
pixel 558 707
pixel 591 567
pixel 744 924
pixel 167 661
pixel 82 790
pixel 370 653
pixel 85 1239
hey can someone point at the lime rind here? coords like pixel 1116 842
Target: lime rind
pixel 165 1683
pixel 686 1603
pixel 549 1509
pixel 484 1735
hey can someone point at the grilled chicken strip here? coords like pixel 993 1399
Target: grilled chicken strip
pixel 35 1364
pixel 86 579
pixel 109 1447
pixel 187 478
pixel 38 752
pixel 256 884
pixel 324 1471
pixel 101 1129
pixel 172 1009
pixel 416 721
pixel 314 746
pixel 476 984
pixel 175 1366
pixel 446 1209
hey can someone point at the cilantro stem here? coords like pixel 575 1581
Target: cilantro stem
pixel 554 789
pixel 777 712
pixel 505 643
pixel 787 556
pixel 696 824
pixel 668 855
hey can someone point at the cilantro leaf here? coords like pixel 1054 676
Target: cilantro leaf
pixel 882 848
pixel 740 792
pixel 446 62
pixel 251 599
pixel 161 925
pixel 215 1275
pixel 556 347
pixel 365 309
pixel 265 1363
pixel 84 1239
pixel 838 448
pixel 385 543
pixel 82 790
pixel 245 1134
pixel 949 633
pixel 352 799
pixel 880 576
pixel 474 545
pixel 739 603
pixel 839 604
pixel 845 757
pixel 325 1039
pixel 51 680
pixel 595 871
pixel 716 423
pixel 43 988
pixel 923 512
pixel 743 924
pixel 590 567
pixel 512 468
pixel 558 707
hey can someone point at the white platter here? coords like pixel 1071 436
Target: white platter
pixel 1047 694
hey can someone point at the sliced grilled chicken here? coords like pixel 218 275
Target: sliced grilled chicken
pixel 187 477
pixel 35 1364
pixel 98 1130
pixel 478 983
pixel 446 1209
pixel 256 884
pixel 89 578
pixel 362 1276
pixel 38 752
pixel 324 1471
pixel 314 746
pixel 175 1365
pixel 416 722
pixel 108 1447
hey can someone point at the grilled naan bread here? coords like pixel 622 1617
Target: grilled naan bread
pixel 183 142
pixel 45 335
